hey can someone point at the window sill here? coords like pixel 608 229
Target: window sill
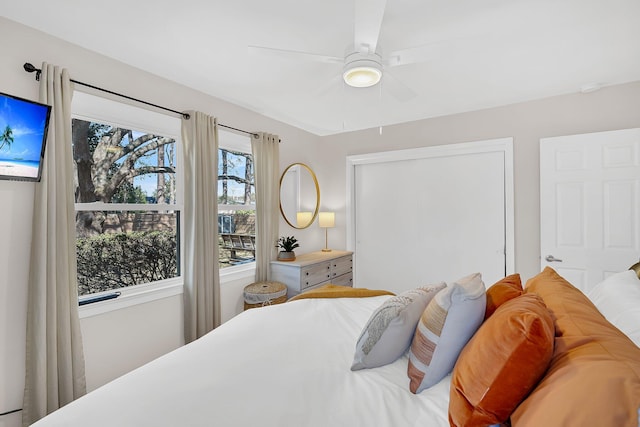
pixel 237 272
pixel 147 293
pixel 133 296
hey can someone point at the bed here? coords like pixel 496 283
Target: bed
pixel 291 365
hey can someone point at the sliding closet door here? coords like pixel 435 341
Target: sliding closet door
pixel 424 220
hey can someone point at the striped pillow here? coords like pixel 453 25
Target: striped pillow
pixel 446 325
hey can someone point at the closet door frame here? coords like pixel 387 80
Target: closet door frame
pixel 501 145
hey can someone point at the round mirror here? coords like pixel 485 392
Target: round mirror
pixel 299 195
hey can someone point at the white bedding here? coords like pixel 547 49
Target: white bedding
pixel 282 365
pixel 618 299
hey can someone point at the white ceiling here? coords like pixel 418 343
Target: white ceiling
pixel 480 54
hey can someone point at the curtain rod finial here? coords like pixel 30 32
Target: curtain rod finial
pixel 29 68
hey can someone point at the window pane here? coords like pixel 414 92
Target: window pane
pixel 236 228
pixel 118 165
pixel 237 232
pixel 235 181
pixel 119 249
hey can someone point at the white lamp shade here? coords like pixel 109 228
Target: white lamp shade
pixel 304 218
pixel 327 219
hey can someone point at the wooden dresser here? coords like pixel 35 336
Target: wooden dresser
pixel 314 269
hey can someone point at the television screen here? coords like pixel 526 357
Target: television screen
pixel 23 134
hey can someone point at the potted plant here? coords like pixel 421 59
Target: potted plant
pixel 287 245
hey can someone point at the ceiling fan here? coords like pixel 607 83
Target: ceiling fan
pixel 364 65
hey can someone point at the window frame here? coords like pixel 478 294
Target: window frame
pixel 89 107
pixel 228 140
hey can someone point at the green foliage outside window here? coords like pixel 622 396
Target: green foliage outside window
pixel 111 261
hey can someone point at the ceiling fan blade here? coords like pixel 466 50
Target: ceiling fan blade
pixel 434 50
pixel 396 88
pixel 327 88
pixel 293 54
pixel 368 21
pixel 415 55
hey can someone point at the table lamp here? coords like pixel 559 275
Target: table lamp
pixel 326 220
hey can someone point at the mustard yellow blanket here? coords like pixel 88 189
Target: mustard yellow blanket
pixel 337 291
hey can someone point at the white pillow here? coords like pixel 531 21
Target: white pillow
pixel 618 299
pixel 388 333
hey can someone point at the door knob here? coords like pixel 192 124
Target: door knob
pixel 551 258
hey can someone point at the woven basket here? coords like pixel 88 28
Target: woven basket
pixel 259 294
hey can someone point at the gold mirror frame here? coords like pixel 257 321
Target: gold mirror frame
pixel 317 207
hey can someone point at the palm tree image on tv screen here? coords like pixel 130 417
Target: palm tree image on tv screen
pixel 6 138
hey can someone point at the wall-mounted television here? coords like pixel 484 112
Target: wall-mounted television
pixel 23 136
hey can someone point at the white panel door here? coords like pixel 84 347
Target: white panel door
pixel 589 200
pixel 424 220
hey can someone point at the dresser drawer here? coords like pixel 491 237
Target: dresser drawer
pixel 313 274
pixel 340 266
pixel 343 280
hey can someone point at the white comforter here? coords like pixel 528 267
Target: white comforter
pixel 283 365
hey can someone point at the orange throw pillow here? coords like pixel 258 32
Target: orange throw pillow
pixel 594 375
pixel 502 291
pixel 502 363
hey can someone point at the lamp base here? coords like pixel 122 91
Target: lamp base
pixel 326 240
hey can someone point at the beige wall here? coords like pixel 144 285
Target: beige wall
pixel 616 107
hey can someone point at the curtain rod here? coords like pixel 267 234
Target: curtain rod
pixel 29 68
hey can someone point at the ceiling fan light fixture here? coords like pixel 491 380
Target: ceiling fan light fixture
pixel 362 76
pixel 362 72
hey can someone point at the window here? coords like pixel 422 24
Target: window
pixel 236 201
pixel 127 199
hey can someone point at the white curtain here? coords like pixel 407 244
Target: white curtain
pixel 201 275
pixel 54 356
pixel 265 149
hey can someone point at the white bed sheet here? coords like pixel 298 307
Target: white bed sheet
pixel 282 365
